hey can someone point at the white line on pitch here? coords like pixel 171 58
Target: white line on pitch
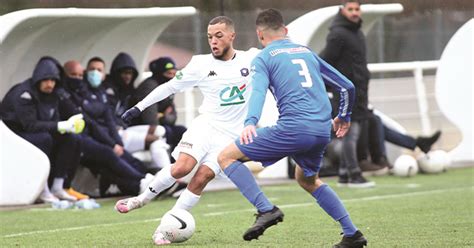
pixel 78 228
pixel 369 198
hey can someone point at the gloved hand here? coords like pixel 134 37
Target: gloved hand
pixel 130 114
pixel 75 124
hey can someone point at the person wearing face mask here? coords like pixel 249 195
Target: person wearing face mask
pixel 101 142
pixel 163 112
pixel 30 109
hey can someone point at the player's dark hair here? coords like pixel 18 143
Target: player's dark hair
pixel 222 19
pixel 270 18
pixel 95 59
pixel 344 2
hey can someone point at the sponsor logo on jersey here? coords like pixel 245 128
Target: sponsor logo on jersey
pixel 185 144
pixel 179 75
pixel 290 50
pixel 233 95
pixel 244 72
pixel 212 73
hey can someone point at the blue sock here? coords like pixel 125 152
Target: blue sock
pixel 330 202
pixel 241 176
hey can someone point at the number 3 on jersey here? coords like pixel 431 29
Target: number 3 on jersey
pixel 303 72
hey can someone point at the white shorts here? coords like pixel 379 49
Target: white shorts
pixel 203 143
pixel 133 137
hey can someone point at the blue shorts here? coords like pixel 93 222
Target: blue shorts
pixel 272 144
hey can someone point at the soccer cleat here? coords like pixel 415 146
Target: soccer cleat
pixel 126 205
pixel 160 239
pixel 343 180
pixel 355 241
pixel 262 222
pixel 76 194
pixel 357 181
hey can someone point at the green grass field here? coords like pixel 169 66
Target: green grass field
pixel 423 211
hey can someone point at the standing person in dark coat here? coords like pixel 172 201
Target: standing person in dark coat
pixel 346 51
pixel 163 112
pixel 30 109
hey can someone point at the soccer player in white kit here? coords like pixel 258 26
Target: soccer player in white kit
pixel 223 78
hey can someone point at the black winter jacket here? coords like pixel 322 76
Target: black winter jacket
pixel 149 115
pixel 119 93
pixel 26 109
pixel 346 51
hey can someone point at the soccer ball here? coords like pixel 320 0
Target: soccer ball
pixel 405 166
pixel 434 162
pixel 177 225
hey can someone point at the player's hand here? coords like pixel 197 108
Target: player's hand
pixel 130 114
pixel 118 150
pixel 247 134
pixel 340 127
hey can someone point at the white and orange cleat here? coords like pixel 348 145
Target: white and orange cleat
pixel 126 205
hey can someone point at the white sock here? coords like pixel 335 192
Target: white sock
pixel 186 200
pixel 57 184
pixel 162 181
pixel 46 189
pixel 159 153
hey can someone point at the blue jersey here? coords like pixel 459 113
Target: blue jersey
pixel 294 75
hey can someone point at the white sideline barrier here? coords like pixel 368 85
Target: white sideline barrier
pixel 454 91
pixel 24 169
pixel 311 30
pixel 66 33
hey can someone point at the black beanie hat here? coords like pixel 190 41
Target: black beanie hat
pixel 160 65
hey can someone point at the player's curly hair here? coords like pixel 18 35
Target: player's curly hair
pixel 270 18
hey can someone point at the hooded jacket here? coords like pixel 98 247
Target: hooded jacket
pixel 119 93
pixel 26 109
pixel 149 115
pixel 346 51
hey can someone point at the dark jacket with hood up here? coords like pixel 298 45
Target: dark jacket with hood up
pixel 149 115
pixel 346 51
pixel 119 93
pixel 26 109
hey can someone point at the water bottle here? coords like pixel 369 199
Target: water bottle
pixel 63 204
pixel 87 204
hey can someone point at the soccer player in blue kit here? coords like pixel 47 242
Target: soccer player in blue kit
pixel 294 75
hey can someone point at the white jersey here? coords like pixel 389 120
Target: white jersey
pixel 224 85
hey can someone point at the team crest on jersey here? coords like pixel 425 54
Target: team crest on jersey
pixel 244 72
pixel 233 95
